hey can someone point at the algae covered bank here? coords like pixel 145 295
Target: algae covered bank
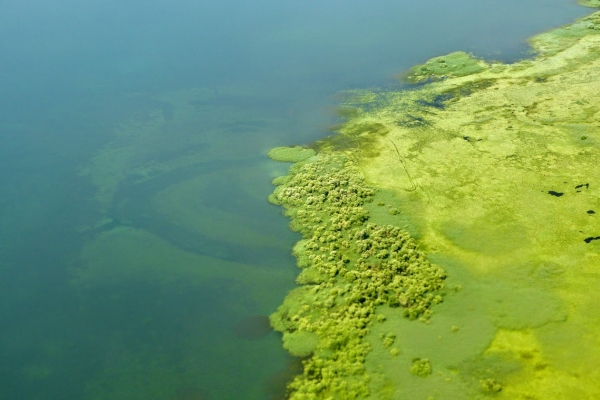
pixel 450 233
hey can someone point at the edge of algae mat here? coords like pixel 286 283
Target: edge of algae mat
pixel 495 173
pixel 497 182
pixel 590 3
pixel 350 268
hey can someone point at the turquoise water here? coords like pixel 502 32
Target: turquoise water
pixel 135 234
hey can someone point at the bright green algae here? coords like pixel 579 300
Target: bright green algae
pixel 590 3
pixel 454 64
pixel 350 268
pixel 495 173
pixel 290 154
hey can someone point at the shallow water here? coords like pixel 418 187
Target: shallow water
pixel 135 232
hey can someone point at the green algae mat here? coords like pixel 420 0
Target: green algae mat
pixel 451 241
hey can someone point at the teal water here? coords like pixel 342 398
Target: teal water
pixel 135 233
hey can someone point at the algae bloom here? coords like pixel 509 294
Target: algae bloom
pixel 468 204
pixel 351 267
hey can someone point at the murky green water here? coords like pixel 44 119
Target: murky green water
pixel 135 234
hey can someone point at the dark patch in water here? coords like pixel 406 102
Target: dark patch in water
pixel 413 121
pixel 438 101
pixel 591 238
pixel 275 387
pixel 253 327
pixel 591 212
pixel 556 194
pixel 190 393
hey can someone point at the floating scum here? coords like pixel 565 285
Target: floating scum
pixel 450 233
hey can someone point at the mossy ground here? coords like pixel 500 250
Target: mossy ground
pixel 496 174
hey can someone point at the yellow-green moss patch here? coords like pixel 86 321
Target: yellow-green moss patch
pixel 421 367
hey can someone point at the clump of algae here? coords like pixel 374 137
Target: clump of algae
pixel 454 64
pixel 421 367
pixel 490 386
pixel 349 267
pixel 290 154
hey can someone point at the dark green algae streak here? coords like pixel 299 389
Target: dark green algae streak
pixel 350 267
